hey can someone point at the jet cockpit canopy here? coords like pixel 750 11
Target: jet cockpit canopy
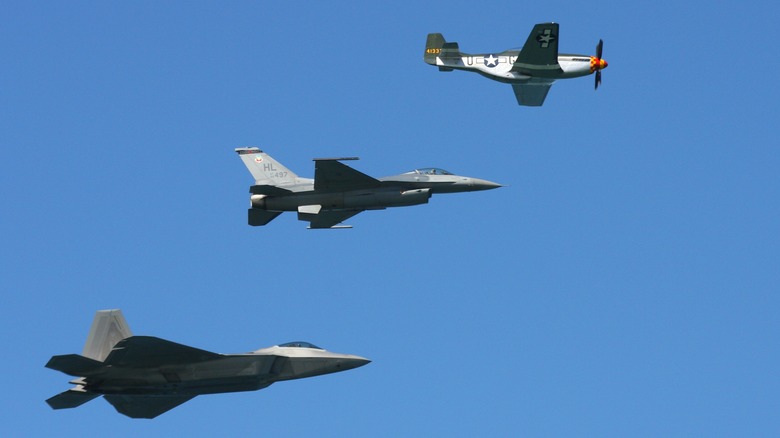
pixel 301 344
pixel 431 171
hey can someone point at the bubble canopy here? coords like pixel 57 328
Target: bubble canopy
pixel 301 344
pixel 431 171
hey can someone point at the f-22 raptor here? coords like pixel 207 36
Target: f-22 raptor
pixel 143 376
pixel 531 71
pixel 339 192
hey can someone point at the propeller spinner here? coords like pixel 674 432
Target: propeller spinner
pixel 597 64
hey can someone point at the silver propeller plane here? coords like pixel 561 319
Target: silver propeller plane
pixel 531 71
pixel 338 191
pixel 143 376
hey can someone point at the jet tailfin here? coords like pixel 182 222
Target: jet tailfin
pixel 108 328
pixel 71 398
pixel 437 47
pixel 265 169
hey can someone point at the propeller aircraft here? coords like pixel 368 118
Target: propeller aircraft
pixel 531 70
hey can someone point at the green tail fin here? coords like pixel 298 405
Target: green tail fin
pixel 433 47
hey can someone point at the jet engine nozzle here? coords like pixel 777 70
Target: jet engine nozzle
pixel 257 201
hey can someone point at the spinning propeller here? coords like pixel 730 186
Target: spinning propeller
pixel 597 64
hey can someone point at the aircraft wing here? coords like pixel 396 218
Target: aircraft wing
pixel 540 52
pixel 332 176
pixel 531 93
pixel 148 351
pixel 146 406
pixel 325 218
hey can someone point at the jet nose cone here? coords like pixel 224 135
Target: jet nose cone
pixel 352 363
pixel 481 184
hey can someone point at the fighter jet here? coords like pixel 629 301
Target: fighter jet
pixel 339 192
pixel 143 376
pixel 531 71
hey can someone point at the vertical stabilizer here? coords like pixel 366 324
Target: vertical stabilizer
pixel 108 328
pixel 437 47
pixel 265 169
pixel 433 46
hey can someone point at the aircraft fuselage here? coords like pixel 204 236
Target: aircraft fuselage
pixel 396 191
pixel 231 373
pixel 499 66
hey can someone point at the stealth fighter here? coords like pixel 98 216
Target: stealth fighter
pixel 144 376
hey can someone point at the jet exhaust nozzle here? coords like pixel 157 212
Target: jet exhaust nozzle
pixel 257 201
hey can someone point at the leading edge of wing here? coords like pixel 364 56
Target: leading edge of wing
pixel 148 351
pixel 330 175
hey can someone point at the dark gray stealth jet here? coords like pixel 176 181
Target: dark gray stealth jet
pixel 339 192
pixel 143 376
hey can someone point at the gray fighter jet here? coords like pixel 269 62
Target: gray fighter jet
pixel 339 192
pixel 143 376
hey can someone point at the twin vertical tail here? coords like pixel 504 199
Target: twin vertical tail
pixel 108 328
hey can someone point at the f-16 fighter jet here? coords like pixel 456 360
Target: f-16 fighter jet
pixel 144 377
pixel 339 192
pixel 531 71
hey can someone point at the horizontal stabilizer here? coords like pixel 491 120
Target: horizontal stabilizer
pixel 259 217
pixel 450 50
pixel 74 365
pixel 145 406
pixel 71 398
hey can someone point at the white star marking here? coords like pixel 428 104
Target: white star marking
pixel 491 61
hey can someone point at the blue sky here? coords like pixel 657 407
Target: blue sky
pixel 624 283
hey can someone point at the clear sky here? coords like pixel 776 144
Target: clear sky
pixel 625 283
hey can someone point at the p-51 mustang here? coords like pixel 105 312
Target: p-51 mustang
pixel 531 71
pixel 339 192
